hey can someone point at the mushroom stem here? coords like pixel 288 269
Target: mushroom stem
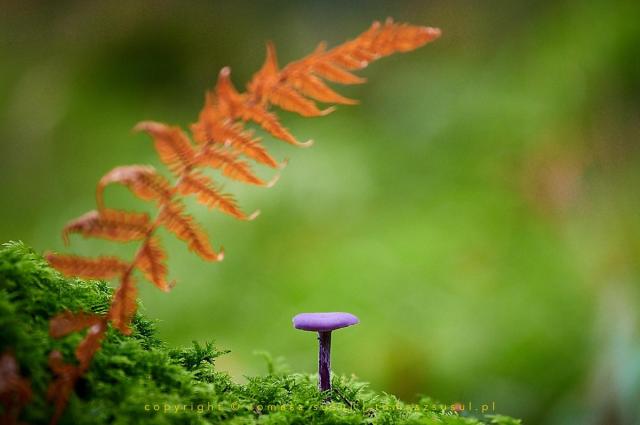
pixel 323 324
pixel 324 361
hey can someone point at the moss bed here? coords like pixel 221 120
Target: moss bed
pixel 139 379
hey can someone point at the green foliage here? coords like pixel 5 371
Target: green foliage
pixel 138 379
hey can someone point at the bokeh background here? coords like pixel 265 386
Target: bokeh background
pixel 478 210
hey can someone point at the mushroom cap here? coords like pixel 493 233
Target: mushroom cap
pixel 324 322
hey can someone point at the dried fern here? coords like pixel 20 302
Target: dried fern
pixel 15 390
pixel 223 142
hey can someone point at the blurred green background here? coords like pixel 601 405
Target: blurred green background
pixel 478 211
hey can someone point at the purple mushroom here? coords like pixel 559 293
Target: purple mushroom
pixel 324 323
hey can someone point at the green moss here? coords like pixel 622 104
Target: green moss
pixel 138 379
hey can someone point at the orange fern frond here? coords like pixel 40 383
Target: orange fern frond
pixel 287 87
pixel 230 166
pixel 123 305
pixel 171 143
pixel 68 322
pixel 266 86
pixel 151 261
pixel 142 180
pixel 378 41
pixel 213 128
pixel 269 122
pixel 60 389
pixel 210 196
pixel 87 268
pixel 185 228
pixel 62 386
pixel 235 105
pixel 15 390
pixel 91 343
pixel 333 72
pixel 57 364
pixel 312 86
pixel 115 225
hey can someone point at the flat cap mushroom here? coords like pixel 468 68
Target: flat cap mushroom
pixel 324 323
